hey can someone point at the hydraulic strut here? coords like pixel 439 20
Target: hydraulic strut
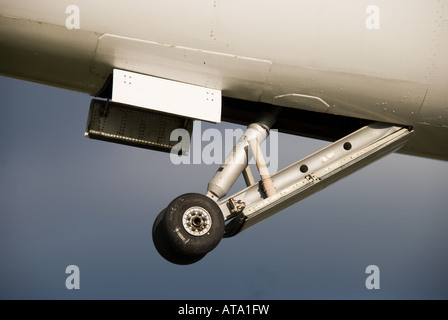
pixel 238 159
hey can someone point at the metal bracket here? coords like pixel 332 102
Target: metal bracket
pixel 312 178
pixel 236 206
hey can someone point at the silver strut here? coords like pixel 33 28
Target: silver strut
pixel 238 159
pixel 311 174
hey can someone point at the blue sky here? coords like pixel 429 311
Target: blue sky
pixel 67 200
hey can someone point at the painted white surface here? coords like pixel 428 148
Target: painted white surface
pixel 166 96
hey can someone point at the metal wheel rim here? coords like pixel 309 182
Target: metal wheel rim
pixel 197 221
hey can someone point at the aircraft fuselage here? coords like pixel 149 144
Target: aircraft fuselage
pixel 384 60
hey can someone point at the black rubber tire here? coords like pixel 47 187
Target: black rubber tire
pixel 163 247
pixel 178 237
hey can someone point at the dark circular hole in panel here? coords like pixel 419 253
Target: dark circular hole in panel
pixel 347 146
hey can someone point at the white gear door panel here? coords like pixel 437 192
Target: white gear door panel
pixel 167 96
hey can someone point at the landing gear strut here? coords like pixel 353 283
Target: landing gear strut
pixel 193 224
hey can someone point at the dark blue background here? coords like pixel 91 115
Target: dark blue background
pixel 65 200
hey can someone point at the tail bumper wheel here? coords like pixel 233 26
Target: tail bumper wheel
pixel 165 249
pixel 191 226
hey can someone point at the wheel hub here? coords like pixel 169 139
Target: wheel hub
pixel 197 221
